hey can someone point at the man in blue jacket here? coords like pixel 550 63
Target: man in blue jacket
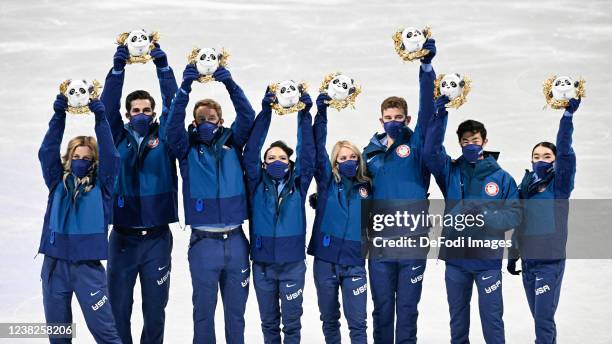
pixel 215 201
pixel 145 199
pixel 395 162
pixel 475 185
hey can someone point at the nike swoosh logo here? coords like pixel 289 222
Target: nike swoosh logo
pixel 245 270
pixel 416 267
pixel 355 279
pixel 161 268
pixel 290 285
pixel 370 159
pixel 93 294
pixel 486 278
pixel 539 279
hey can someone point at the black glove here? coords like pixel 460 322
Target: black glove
pixel 312 200
pixel 512 266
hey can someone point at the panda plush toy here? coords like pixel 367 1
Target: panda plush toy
pixel 138 42
pixel 288 93
pixel 413 39
pixel 207 61
pixel 340 87
pixel 78 93
pixel 564 88
pixel 452 85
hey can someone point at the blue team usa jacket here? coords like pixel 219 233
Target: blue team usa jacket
pixel 76 222
pixel 146 190
pixel 336 236
pixel 278 221
pixel 543 232
pixel 480 188
pixel 400 173
pixel 214 193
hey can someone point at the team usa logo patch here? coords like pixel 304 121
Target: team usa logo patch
pixel 153 142
pixel 492 189
pixel 363 192
pixel 402 151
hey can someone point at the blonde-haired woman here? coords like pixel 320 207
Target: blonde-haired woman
pixel 336 239
pixel 74 236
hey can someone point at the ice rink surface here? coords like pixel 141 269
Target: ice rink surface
pixel 507 47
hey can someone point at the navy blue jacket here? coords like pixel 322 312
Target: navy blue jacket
pixel 484 185
pixel 543 232
pixel 146 190
pixel 213 179
pixel 400 172
pixel 278 221
pixel 76 222
pixel 336 234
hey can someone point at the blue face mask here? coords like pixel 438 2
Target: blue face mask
pixel 277 169
pixel 472 152
pixel 393 128
pixel 140 123
pixel 542 168
pixel 80 167
pixel 206 131
pixel 348 168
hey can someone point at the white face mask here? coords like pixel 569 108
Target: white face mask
pixel 138 42
pixel 564 88
pixel 452 86
pixel 288 93
pixel 207 61
pixel 78 93
pixel 413 39
pixel 340 87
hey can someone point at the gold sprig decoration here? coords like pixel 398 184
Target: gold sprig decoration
pixel 153 38
pixel 94 93
pixel 563 103
pixel 337 103
pixel 405 55
pixel 192 58
pixel 281 111
pixel 461 99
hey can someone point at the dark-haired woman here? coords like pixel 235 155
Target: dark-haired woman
pixel 277 189
pixel 542 236
pixel 75 230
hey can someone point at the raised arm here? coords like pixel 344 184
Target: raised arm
pixel 109 156
pixel 434 154
pixel 111 94
pixel 167 85
pixel 176 135
pixel 565 161
pixel 427 76
pixel 323 171
pixel 254 145
pixel 245 115
pixel 306 151
pixel 49 152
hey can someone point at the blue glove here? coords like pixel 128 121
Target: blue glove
pixel 189 75
pixel 60 104
pixel 511 267
pixel 430 45
pixel 573 105
pixel 159 57
pixel 440 105
pixel 305 98
pixel 268 99
pixel 97 107
pixel 120 58
pixel 222 75
pixel 321 101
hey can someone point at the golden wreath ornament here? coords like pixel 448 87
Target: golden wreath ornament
pixel 558 90
pixel 139 43
pixel 341 89
pixel 455 86
pixel 287 95
pixel 408 43
pixel 79 93
pixel 207 60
